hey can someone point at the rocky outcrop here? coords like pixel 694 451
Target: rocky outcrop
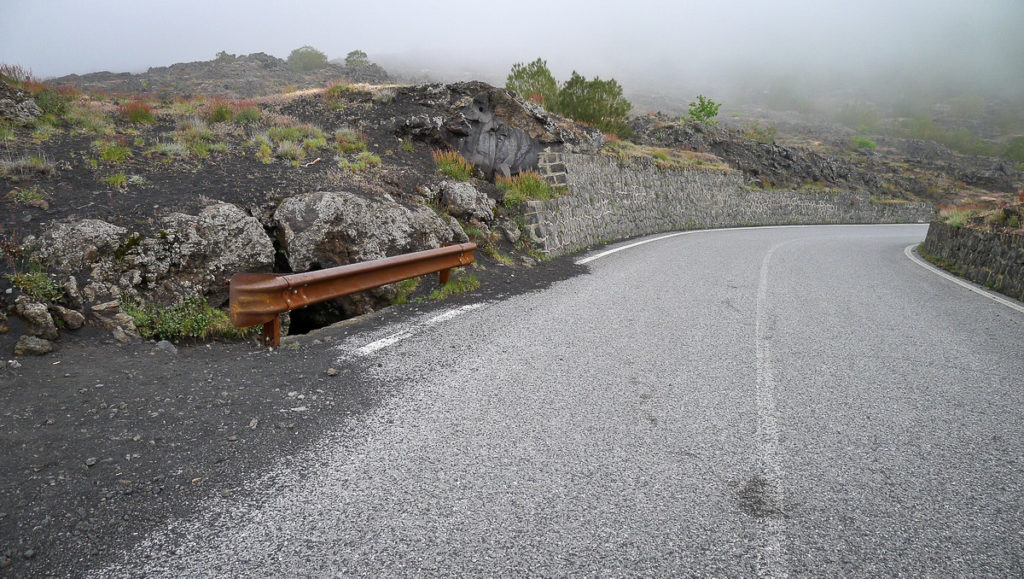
pixel 37 318
pixel 490 127
pixel 17 106
pixel 244 76
pixel 188 255
pixel 768 164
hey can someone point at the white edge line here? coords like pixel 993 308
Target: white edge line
pixel 411 331
pixel 586 260
pixel 909 251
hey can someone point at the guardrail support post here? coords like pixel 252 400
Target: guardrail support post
pixel 272 332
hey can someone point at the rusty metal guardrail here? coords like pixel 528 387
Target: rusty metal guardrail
pixel 260 298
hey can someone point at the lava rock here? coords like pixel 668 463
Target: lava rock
pixel 32 346
pixel 37 317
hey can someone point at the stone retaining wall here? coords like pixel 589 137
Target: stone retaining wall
pixel 609 201
pixel 995 260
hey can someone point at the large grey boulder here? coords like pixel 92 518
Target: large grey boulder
pixel 72 247
pixel 186 255
pixel 327 229
pixel 198 254
pixel 464 200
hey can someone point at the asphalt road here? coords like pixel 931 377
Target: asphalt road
pixel 787 401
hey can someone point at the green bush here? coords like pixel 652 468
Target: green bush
pixel 112 151
pixel 861 142
pixel 534 82
pixel 595 102
pixel 190 318
pixel 703 110
pixel 306 59
pixel 356 59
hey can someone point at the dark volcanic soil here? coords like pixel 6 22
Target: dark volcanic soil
pixel 105 441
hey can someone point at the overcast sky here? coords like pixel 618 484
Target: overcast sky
pixel 624 39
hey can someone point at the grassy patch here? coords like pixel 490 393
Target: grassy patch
pixel 191 318
pixel 26 166
pixel 112 150
pixel 407 146
pixel 26 194
pixel 37 285
pixel 290 150
pixel 957 217
pixel 453 165
pixel 861 142
pixel 348 141
pixel 625 151
pixel 526 186
pixel 455 286
pixel 404 289
pixel 116 181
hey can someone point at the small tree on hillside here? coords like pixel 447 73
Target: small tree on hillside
pixel 306 59
pixel 357 59
pixel 534 82
pixel 597 102
pixel 703 110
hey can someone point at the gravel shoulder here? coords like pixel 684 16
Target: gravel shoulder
pixel 104 441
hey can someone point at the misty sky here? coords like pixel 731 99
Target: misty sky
pixel 979 39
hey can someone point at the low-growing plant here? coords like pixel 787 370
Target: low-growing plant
pixel 264 153
pixel 246 114
pixel 37 285
pixel 27 166
pixel 455 286
pixel 452 164
pixel 138 181
pixel 526 186
pixel 407 146
pixel 26 194
pixel 112 150
pixel 368 158
pixel 6 133
pixel 294 132
pixel 116 181
pixel 219 111
pixel 192 318
pixel 957 217
pixel 862 142
pixel 290 150
pixel 755 131
pixel 314 143
pixel 404 289
pixel 168 149
pixel 137 112
pixel 348 141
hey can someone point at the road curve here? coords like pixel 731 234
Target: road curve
pixel 772 402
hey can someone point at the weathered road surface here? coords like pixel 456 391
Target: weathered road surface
pixel 790 401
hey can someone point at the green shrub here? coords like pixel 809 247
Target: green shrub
pixel 453 165
pixel 219 111
pixel 165 149
pixel 349 141
pixel 314 143
pixel 116 181
pixel 306 59
pixel 136 112
pixel 357 59
pixel 191 318
pixel 37 285
pixel 26 194
pixel 290 150
pixel 247 114
pixel 703 110
pixel 407 146
pixel 861 142
pixel 6 133
pixel 534 82
pixel 597 102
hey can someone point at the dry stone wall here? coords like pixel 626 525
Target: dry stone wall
pixel 989 258
pixel 610 201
